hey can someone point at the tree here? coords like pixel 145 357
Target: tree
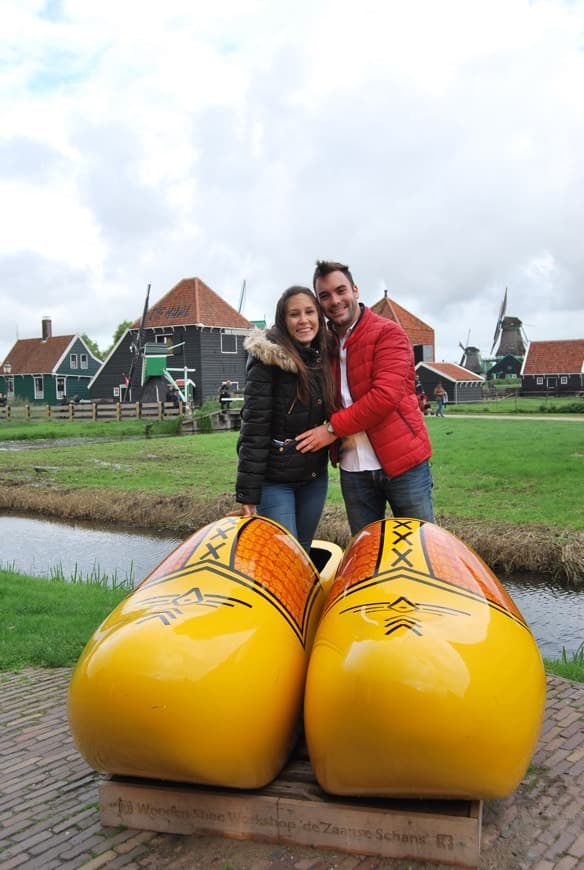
pixel 92 345
pixel 125 324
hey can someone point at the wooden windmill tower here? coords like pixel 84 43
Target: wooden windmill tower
pixel 471 357
pixel 509 333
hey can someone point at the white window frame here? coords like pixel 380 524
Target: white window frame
pixel 73 360
pixel 563 379
pixel 83 361
pixel 39 386
pixel 60 387
pixel 539 381
pixel 9 381
pixel 228 335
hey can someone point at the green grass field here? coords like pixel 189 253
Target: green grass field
pixel 524 470
pixel 46 623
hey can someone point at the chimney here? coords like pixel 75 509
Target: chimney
pixel 47 330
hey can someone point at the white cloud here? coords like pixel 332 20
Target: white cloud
pixel 435 147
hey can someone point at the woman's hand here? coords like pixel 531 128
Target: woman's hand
pixel 245 510
pixel 315 439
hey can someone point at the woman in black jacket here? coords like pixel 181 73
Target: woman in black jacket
pixel 288 390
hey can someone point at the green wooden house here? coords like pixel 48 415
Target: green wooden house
pixel 49 370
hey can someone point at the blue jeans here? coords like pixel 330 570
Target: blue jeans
pixel 297 506
pixel 366 493
pixel 439 407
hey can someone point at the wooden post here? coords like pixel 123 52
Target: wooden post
pixel 138 411
pixel 48 412
pixel 118 411
pixel 71 411
pixel 27 413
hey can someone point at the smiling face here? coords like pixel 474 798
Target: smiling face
pixel 302 318
pixel 339 299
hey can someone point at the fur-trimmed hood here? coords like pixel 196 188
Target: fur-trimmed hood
pixel 271 354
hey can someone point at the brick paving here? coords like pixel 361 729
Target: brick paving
pixel 49 815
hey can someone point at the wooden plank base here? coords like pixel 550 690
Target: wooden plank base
pixel 293 809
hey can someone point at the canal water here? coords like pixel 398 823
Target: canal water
pixel 46 548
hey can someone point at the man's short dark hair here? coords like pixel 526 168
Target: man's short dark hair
pixel 325 267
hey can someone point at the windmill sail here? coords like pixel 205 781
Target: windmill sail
pixel 137 348
pixel 499 325
pixel 242 296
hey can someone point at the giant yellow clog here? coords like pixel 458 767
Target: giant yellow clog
pixel 424 679
pixel 198 675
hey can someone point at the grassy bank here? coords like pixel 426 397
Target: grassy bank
pixel 520 471
pixel 46 623
pixel 16 430
pixel 521 405
pixel 511 489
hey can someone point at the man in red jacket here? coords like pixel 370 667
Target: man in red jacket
pixel 384 446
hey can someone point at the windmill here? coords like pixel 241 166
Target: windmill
pixel 149 370
pixel 471 357
pixel 509 333
pixel 137 350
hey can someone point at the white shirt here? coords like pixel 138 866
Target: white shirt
pixel 356 452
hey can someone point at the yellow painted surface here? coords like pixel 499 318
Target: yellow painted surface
pixel 198 675
pixel 424 679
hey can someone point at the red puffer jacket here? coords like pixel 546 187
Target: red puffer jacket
pixel 381 375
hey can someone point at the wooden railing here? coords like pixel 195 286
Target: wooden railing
pixel 92 411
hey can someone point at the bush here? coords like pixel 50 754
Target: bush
pixel 576 407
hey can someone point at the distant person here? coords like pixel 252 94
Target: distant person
pixel 441 397
pixel 225 395
pixel 384 448
pixel 172 396
pixel 423 402
pixel 3 400
pixel 288 389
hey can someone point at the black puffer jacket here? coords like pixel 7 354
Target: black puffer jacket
pixel 271 411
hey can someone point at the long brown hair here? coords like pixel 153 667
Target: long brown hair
pixel 321 344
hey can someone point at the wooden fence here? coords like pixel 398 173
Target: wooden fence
pixel 225 418
pixel 92 411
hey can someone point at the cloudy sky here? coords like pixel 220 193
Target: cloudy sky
pixel 436 147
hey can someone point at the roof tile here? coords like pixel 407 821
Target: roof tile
pixel 452 371
pixel 417 331
pixel 190 302
pixel 554 357
pixel 35 356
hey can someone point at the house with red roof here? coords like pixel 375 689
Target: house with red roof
pixel 421 335
pixel 198 334
pixel 553 368
pixel 461 384
pixel 49 369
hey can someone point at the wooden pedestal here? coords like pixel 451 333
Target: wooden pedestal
pixel 293 809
